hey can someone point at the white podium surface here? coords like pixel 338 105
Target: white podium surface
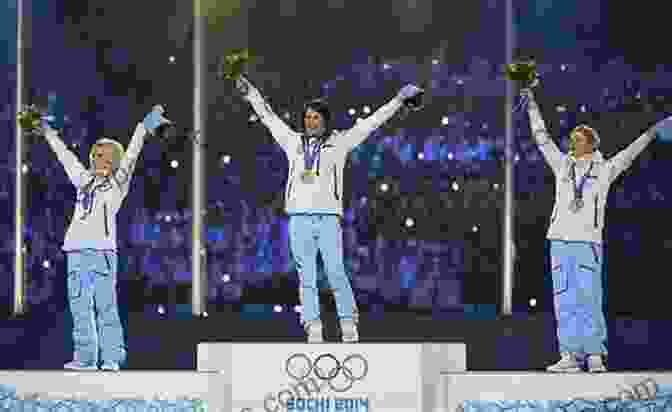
pixel 510 386
pixel 167 385
pixel 385 377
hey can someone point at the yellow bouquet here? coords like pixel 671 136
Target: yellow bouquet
pixel 233 63
pixel 523 72
pixel 29 118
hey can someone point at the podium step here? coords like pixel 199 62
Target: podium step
pixel 354 377
pixel 501 386
pixel 66 385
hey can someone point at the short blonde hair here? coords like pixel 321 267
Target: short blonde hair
pixel 117 147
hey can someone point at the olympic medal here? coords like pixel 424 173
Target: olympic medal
pixel 308 177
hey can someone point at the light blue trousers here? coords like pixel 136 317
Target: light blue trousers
pixel 92 280
pixel 308 235
pixel 576 269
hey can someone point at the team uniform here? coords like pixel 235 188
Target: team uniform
pixel 91 249
pixel 313 201
pixel 575 235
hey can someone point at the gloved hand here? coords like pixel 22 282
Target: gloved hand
pixel 155 118
pixel 409 91
pixel 47 124
pixel 243 85
pixel 663 130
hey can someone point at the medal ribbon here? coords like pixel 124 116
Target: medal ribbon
pixel 578 191
pixel 88 196
pixel 311 154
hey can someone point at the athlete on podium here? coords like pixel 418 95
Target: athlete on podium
pixel 313 195
pixel 91 242
pixel 582 181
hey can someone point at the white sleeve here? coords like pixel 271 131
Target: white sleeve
pixel 552 154
pixel 127 165
pixel 623 159
pixel 78 174
pixel 360 131
pixel 280 131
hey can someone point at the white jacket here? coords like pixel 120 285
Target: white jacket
pixel 94 227
pixel 586 225
pixel 325 194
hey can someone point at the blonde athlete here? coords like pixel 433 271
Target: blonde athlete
pixel 91 242
pixel 582 181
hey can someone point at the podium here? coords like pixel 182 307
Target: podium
pixel 166 385
pixel 530 387
pixel 331 377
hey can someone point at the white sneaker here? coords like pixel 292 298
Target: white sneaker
pixel 313 329
pixel 349 331
pixel 79 366
pixel 595 364
pixel 567 364
pixel 110 367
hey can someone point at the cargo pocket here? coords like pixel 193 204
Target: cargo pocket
pixel 560 280
pixel 587 268
pixel 74 285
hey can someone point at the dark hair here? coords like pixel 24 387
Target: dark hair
pixel 320 106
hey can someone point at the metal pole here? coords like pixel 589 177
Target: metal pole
pixel 199 266
pixel 508 233
pixel 22 44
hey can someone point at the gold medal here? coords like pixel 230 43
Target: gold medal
pixel 308 176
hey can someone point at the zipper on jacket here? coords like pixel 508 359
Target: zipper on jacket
pixel 107 229
pixel 291 181
pixel 596 199
pixel 335 183
pixel 289 188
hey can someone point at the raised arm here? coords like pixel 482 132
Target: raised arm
pixel 623 159
pixel 280 131
pixel 78 174
pixel 127 164
pixel 362 129
pixel 554 157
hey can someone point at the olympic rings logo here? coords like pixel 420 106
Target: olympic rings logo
pixel 327 367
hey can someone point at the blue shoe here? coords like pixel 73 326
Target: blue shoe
pixel 80 366
pixel 110 367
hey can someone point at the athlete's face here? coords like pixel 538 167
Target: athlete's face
pixel 583 144
pixel 103 159
pixel 312 120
